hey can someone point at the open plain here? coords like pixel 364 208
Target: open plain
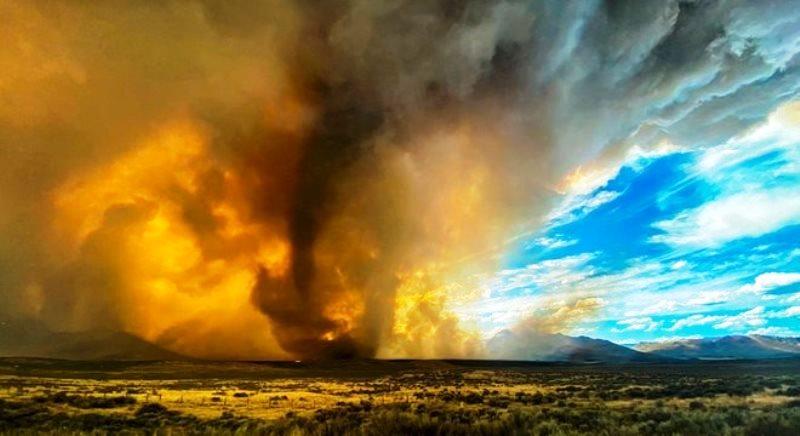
pixel 399 397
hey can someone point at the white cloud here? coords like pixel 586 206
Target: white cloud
pixel 600 199
pixel 644 323
pixel 754 317
pixel 694 320
pixel 710 297
pixel 659 307
pixel 679 264
pixel 554 243
pixel 731 217
pixel 761 284
pixel 519 292
pixel 771 280
pixel 788 312
pixel 550 274
pixel 662 339
pixel 574 207
pixel 751 318
pixel 675 338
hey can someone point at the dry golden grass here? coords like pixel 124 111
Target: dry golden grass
pixel 252 393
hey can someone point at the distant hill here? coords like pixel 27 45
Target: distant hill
pixel 561 348
pixel 725 347
pixel 30 338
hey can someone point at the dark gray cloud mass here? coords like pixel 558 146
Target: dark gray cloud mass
pixel 334 159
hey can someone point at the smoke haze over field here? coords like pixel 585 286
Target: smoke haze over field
pixel 273 179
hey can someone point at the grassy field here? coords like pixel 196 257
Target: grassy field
pixel 399 397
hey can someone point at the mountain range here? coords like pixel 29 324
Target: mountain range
pixel 32 339
pixel 508 345
pixel 725 347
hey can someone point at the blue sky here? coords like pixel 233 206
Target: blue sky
pixel 675 244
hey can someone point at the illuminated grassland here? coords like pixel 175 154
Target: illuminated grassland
pixel 400 398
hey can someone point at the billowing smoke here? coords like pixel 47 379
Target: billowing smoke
pixel 257 179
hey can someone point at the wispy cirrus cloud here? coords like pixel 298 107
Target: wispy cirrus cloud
pixel 771 280
pixel 644 323
pixel 754 317
pixel 694 320
pixel 575 207
pixel 750 318
pixel 747 214
pixel 757 175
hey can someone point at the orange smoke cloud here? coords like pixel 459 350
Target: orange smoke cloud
pixel 170 284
